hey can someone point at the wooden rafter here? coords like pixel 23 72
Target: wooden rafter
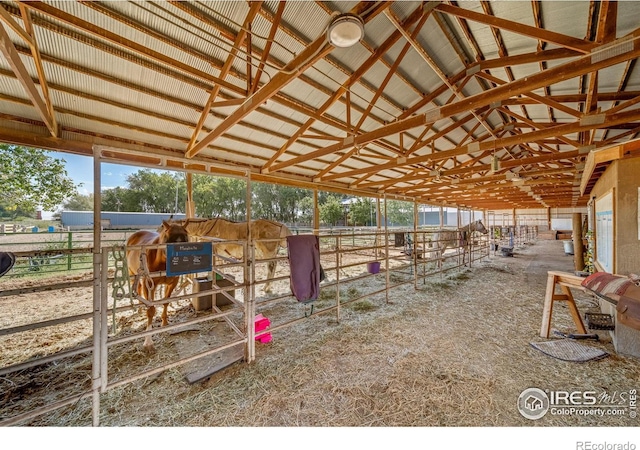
pixel 315 51
pixel 240 37
pixel 43 106
pixel 432 64
pixel 359 120
pixel 267 48
pixel 354 78
pixel 550 76
pixel 503 142
pixel 562 40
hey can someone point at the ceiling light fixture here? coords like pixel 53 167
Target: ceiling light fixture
pixel 345 30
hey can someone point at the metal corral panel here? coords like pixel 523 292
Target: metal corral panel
pixel 84 219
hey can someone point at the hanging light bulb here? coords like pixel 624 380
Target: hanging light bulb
pixel 345 30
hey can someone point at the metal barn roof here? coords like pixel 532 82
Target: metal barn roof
pixel 488 105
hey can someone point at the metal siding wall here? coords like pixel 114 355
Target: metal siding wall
pixel 81 219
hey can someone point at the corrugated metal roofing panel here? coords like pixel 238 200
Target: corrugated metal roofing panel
pixel 104 90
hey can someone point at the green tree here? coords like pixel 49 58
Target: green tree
pixel 399 213
pixel 119 199
pixel 78 202
pixel 362 212
pixel 331 211
pixel 305 211
pixel 31 178
pixel 156 192
pixel 220 197
pixel 276 202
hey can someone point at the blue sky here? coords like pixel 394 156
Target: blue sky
pixel 80 170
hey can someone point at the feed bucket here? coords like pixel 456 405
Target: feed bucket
pixel 373 267
pixel 568 247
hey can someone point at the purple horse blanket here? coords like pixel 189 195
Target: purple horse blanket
pixel 304 260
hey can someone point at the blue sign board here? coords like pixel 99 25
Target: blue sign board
pixel 188 257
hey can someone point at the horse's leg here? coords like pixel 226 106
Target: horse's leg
pixel 169 290
pixel 271 271
pixel 151 312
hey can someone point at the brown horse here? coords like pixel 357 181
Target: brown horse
pixel 444 239
pixel 268 236
pixel 156 261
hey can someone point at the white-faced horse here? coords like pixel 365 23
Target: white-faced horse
pixel 267 236
pixel 444 239
pixel 156 261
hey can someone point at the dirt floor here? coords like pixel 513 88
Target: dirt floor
pixel 454 352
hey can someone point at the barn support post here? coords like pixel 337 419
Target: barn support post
pixel 189 207
pixel 98 313
pixel 104 326
pixel 485 218
pixel 338 265
pixel 378 240
pixel 316 213
pixel 249 275
pixel 578 247
pixel 415 245
pixel 386 248
pixel 459 237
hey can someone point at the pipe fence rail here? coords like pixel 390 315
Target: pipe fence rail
pixel 365 265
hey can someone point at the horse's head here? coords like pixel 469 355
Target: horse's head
pixel 479 226
pixel 173 232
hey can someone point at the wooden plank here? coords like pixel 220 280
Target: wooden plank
pixel 547 309
pixel 204 367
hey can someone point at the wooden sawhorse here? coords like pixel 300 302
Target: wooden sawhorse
pixel 566 281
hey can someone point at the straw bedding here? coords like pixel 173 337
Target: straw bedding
pixel 455 352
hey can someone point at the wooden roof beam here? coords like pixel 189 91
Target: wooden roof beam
pixel 314 52
pixel 37 59
pixel 431 63
pixel 13 58
pixel 575 98
pixel 606 32
pixel 392 70
pixel 562 40
pixel 537 98
pixel 473 43
pixel 503 142
pixel 267 46
pixel 354 78
pixel 241 35
pixel 490 178
pixel 537 126
pixel 550 76
pixel 526 58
